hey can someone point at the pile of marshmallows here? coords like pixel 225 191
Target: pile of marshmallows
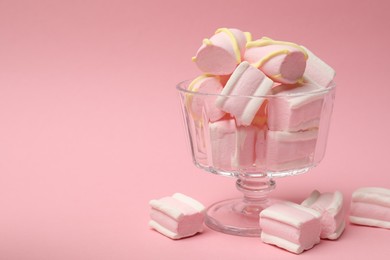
pixel 235 65
pixel 291 226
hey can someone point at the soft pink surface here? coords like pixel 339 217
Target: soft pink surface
pixel 90 128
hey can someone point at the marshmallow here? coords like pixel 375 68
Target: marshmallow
pixel 260 119
pixel 220 54
pixel 260 148
pixel 370 206
pixel 331 207
pixel 245 81
pixel 198 140
pixel 208 86
pixel 283 62
pixel 177 216
pixel 290 226
pixel 222 136
pixel 231 146
pixel 317 71
pixel 293 109
pixel 290 150
pixel 244 155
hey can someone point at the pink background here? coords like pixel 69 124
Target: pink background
pixel 90 128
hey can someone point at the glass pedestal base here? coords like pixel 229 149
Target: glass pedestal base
pixel 240 216
pixel 235 217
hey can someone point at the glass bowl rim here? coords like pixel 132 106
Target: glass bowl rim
pixel 321 90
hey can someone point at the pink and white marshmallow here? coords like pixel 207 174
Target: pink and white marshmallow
pixel 370 206
pixel 290 226
pixel 317 71
pixel 235 98
pixel 290 150
pixel 331 207
pixel 294 109
pixel 177 216
pixel 198 130
pixel 260 148
pixel 209 86
pixel 283 62
pixel 220 54
pixel 231 146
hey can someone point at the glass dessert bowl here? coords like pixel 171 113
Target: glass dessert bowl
pixel 286 136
